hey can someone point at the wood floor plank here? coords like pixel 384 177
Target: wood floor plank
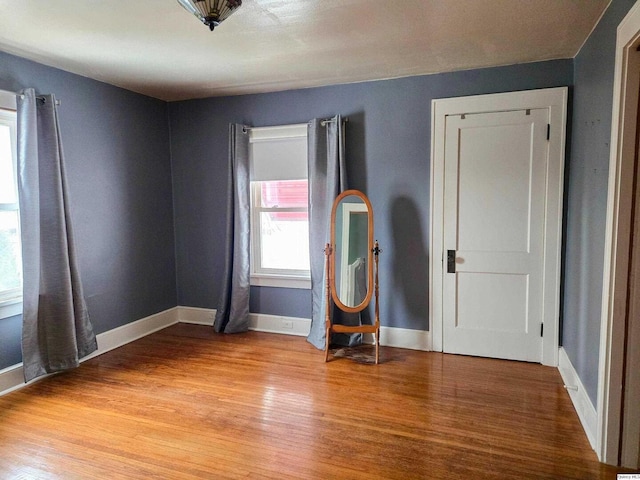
pixel 186 403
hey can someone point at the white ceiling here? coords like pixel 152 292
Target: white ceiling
pixel 157 48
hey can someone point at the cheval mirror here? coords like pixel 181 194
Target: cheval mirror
pixel 352 266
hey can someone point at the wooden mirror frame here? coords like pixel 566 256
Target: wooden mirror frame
pixel 332 266
pixel 372 286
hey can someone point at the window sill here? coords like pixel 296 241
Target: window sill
pixel 11 308
pixel 281 281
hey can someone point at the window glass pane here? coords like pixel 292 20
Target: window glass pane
pixel 10 255
pixel 285 240
pixel 285 194
pixel 7 177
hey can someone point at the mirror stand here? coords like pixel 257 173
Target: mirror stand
pixel 337 328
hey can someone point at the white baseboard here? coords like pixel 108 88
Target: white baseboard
pixel 581 401
pixel 12 378
pixel 257 321
pixel 405 338
pixel 130 332
pixel 402 338
pixel 389 336
pixel 197 316
pixel 261 322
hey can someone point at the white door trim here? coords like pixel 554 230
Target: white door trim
pixel 618 227
pixel 555 99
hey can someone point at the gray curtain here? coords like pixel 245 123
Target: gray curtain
pixel 232 315
pixel 56 330
pixel 327 178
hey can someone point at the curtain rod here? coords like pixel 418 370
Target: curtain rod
pixel 322 123
pixel 21 95
pixel 39 97
pixel 331 120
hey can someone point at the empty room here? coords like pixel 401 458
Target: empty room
pixel 319 239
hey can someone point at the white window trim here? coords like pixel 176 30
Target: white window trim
pixel 11 308
pixel 282 281
pixel 10 301
pixel 288 278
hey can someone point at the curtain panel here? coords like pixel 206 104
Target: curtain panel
pixel 57 331
pixel 232 315
pixel 327 178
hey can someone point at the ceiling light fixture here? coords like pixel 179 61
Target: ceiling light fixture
pixel 211 12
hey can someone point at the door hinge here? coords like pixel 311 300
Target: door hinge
pixel 542 329
pixel 548 131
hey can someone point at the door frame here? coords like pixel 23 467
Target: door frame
pixel 554 99
pixel 626 88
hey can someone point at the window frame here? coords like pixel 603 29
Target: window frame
pixel 11 299
pixel 259 276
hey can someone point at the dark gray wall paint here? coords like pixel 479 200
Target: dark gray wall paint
pixel 289 302
pixel 586 196
pixel 388 150
pixel 10 339
pixel 117 153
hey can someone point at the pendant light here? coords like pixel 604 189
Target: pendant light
pixel 211 12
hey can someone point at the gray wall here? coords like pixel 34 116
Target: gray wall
pixel 117 147
pixel 586 196
pixel 117 152
pixel 10 331
pixel 388 149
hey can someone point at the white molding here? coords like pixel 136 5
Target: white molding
pixel 130 332
pixel 277 132
pixel 8 100
pixel 280 281
pixel 553 99
pixel 581 401
pixel 196 315
pixel 12 378
pixel 10 308
pixel 405 338
pixel 261 322
pixel 402 338
pixel 617 236
pixel 258 322
pixel 279 324
pixel 389 336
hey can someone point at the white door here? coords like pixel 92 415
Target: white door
pixel 495 170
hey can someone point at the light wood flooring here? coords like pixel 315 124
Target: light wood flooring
pixel 186 403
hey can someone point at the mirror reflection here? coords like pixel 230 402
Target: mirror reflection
pixel 352 251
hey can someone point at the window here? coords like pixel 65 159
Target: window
pixel 10 249
pixel 279 206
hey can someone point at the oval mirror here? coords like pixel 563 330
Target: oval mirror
pixel 352 243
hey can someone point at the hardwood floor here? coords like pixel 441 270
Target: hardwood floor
pixel 186 403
